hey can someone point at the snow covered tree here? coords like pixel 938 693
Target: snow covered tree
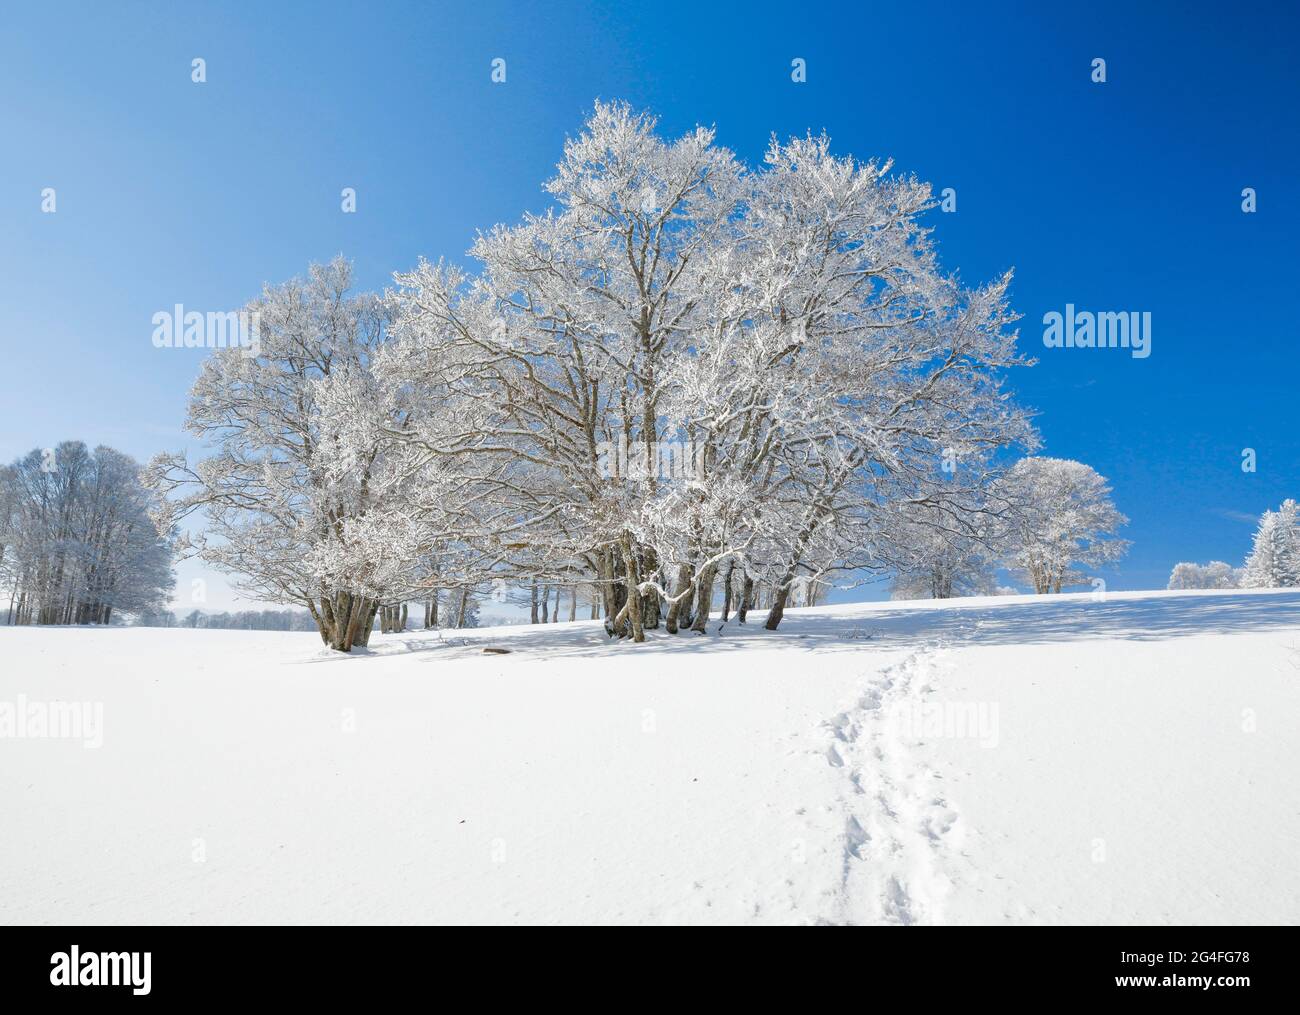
pixel 568 330
pixel 1061 518
pixel 282 491
pixel 77 539
pixel 788 333
pixel 327 485
pixel 841 366
pixel 684 373
pixel 1214 575
pixel 1274 560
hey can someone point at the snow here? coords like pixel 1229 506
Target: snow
pixel 1130 759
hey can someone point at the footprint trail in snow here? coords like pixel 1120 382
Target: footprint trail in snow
pixel 902 836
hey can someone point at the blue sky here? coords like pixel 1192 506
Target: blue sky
pixel 1117 196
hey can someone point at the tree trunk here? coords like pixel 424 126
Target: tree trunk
pixel 344 620
pixel 650 603
pixel 685 573
pixel 363 637
pixel 615 592
pixel 704 598
pixel 357 613
pixel 342 617
pixel 633 591
pixel 777 610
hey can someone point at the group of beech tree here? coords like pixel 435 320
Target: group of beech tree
pixel 77 539
pixel 688 377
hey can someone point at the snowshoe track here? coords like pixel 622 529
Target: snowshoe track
pixel 902 836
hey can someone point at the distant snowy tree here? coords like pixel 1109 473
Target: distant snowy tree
pixel 1214 575
pixel 78 540
pixel 1061 519
pixel 1274 560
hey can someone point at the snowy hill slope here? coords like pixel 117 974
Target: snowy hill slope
pixel 1008 760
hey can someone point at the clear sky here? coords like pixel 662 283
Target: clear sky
pixel 1119 196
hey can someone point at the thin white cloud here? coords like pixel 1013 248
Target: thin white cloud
pixel 1245 517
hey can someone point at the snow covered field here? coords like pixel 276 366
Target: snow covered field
pixel 1011 760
